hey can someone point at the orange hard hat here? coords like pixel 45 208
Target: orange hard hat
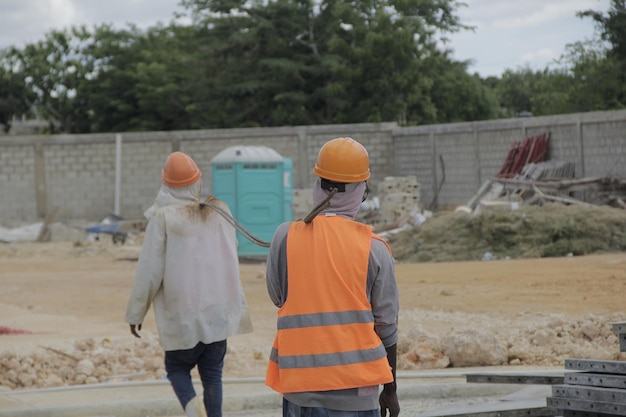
pixel 180 170
pixel 343 160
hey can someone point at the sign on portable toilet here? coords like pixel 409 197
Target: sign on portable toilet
pixel 256 183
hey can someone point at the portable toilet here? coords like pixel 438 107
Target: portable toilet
pixel 256 183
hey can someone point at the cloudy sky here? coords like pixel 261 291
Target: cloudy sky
pixel 509 34
pixel 512 34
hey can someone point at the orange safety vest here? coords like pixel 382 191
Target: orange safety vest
pixel 326 339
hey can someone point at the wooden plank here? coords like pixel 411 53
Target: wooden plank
pixel 596 380
pixel 565 185
pixel 484 188
pixel 607 395
pixel 583 405
pixel 609 367
pixel 516 378
pixel 526 408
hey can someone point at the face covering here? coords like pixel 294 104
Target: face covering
pixel 175 195
pixel 344 204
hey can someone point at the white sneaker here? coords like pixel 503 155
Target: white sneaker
pixel 195 408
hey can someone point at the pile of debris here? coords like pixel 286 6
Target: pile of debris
pixel 538 340
pixel 528 176
pixel 550 181
pixel 86 362
pixel 531 150
pixel 530 231
pixel 395 205
pixel 535 339
pixel 534 207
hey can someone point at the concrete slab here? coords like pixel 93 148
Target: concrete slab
pixel 242 397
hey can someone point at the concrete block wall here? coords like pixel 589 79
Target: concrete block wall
pixel 17 184
pixel 76 174
pixel 493 146
pixel 141 163
pixel 413 156
pixel 79 178
pixel 454 159
pixel 458 163
pixel 604 147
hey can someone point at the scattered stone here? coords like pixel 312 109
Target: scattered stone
pixel 472 347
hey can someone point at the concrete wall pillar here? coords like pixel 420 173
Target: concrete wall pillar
pixel 41 196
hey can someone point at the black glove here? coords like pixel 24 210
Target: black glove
pixel 135 329
pixel 388 399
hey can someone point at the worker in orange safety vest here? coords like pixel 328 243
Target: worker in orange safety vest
pixel 333 281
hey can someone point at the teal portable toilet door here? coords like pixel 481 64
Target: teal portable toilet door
pixel 259 202
pixel 224 183
pixel 288 189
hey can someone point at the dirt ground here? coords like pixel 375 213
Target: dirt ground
pixel 63 302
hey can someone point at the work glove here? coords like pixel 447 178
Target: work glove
pixel 388 401
pixel 388 398
pixel 135 329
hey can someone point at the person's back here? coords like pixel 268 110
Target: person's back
pixel 189 270
pixel 334 283
pixel 200 300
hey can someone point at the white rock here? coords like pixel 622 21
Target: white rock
pixel 85 367
pixel 474 348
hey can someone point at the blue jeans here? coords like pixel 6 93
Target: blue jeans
pixel 292 410
pixel 210 361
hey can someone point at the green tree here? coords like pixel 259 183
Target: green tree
pixel 259 71
pixel 15 98
pixel 56 72
pixel 145 82
pixel 612 27
pixel 301 62
pixel 594 78
pixel 107 80
pixel 285 62
pixel 458 96
pixel 608 81
pixel 539 93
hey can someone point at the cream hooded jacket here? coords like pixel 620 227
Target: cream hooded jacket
pixel 189 270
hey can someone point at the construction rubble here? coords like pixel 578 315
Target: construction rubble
pixel 529 176
pixel 533 207
pixel 542 340
pixel 549 181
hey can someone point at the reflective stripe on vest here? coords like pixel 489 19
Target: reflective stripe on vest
pixel 325 319
pixel 326 338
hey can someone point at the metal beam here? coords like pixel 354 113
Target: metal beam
pixel 607 395
pixel 537 378
pixel 609 367
pixel 595 380
pixel 527 408
pixel 584 405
